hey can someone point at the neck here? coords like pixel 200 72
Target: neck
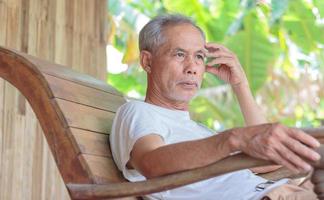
pixel 154 97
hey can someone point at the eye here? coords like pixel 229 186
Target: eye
pixel 180 54
pixel 200 57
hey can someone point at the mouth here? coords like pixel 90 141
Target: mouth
pixel 189 84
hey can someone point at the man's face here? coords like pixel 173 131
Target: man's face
pixel 178 65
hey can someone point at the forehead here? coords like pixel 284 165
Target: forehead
pixel 184 36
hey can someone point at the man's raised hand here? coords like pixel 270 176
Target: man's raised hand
pixel 224 64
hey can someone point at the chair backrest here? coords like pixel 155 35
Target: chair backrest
pixel 75 111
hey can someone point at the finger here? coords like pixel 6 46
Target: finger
pixel 216 47
pixel 301 149
pixel 292 158
pixel 304 138
pixel 220 54
pixel 226 61
pixel 277 158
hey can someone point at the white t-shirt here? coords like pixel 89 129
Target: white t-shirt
pixel 136 119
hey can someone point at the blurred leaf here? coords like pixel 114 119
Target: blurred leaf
pixel 225 110
pixel 278 9
pixel 126 82
pixel 192 8
pixel 211 81
pixel 320 6
pixel 150 8
pixel 114 7
pixel 111 29
pixel 320 59
pixel 132 53
pixel 254 50
pixel 227 20
pixel 300 25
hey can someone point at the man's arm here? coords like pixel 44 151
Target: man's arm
pixel 153 158
pixel 250 110
pixel 230 71
pixel 289 147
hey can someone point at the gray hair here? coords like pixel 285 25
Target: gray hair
pixel 151 35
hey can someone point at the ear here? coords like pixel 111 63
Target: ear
pixel 146 60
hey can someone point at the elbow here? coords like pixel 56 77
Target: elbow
pixel 150 175
pixel 149 168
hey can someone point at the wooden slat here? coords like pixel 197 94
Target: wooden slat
pixel 68 74
pixel 2 90
pixel 11 122
pixel 72 91
pixel 3 22
pixel 85 117
pixel 103 169
pixel 92 143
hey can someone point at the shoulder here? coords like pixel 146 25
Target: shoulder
pixel 132 107
pixel 137 110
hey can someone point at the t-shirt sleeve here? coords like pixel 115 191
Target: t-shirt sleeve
pixel 132 121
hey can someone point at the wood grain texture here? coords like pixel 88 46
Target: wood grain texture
pixel 74 76
pixel 92 143
pixel 33 86
pixel 103 169
pixel 45 29
pixel 91 96
pixel 86 117
pixel 80 157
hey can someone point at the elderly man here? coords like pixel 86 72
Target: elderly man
pixel 157 137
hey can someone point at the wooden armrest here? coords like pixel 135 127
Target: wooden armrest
pixel 229 164
pixel 226 165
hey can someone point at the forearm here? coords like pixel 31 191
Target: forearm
pixel 251 112
pixel 197 153
pixel 186 155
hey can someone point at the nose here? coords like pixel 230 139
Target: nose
pixel 190 66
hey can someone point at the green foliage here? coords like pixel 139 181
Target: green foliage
pixel 299 23
pixel 254 49
pixel 129 82
pixel 319 4
pixel 279 44
pixel 207 110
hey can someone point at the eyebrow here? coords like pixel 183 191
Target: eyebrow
pixel 180 49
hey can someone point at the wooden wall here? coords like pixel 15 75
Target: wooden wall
pixel 69 32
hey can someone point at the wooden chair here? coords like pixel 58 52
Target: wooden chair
pixel 76 112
